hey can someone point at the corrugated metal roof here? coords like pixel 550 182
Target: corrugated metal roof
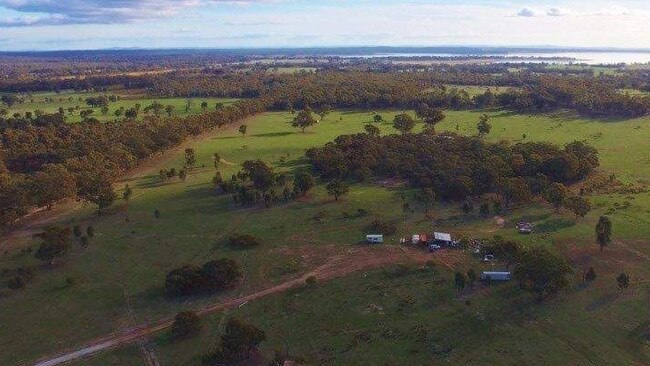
pixel 496 276
pixel 442 236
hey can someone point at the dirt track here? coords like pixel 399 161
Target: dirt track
pixel 353 260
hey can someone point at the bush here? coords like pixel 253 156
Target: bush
pixel 16 283
pixel 212 276
pixel 185 280
pixel 186 324
pixel 76 230
pixel 239 241
pixel 310 281
pixel 384 228
pixel 236 344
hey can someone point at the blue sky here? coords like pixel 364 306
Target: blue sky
pixel 92 24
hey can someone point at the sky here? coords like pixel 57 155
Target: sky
pixel 97 24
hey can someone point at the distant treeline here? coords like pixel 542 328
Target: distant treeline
pixel 47 160
pixel 453 166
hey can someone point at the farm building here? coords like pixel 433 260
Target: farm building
pixel 496 276
pixel 374 239
pixel 442 239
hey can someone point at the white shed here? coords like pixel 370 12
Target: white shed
pixel 374 239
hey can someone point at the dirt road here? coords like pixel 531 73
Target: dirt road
pixel 352 260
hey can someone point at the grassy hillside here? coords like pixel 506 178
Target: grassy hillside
pixel 392 316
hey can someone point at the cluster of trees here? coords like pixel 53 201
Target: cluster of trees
pixel 585 95
pixel 559 196
pixel 454 167
pixel 537 269
pixel 215 275
pixel 258 183
pixel 45 160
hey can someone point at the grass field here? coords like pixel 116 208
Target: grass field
pixel 50 103
pixel 385 316
pixel 474 90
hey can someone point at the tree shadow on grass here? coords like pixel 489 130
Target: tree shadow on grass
pixel 274 134
pixel 294 163
pixel 228 138
pixel 152 181
pixel 554 225
pixel 602 301
pixel 532 218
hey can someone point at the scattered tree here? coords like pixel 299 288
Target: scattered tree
pixel 460 281
pixel 236 344
pixel 372 130
pixel 542 272
pixel 190 158
pixel 90 231
pixel 623 281
pixel 484 126
pixel 471 276
pixel 303 182
pixel 337 188
pixel 404 123
pixel 590 275
pixel 303 120
pixel 54 243
pixel 603 232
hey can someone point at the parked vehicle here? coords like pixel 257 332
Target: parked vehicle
pixel 488 258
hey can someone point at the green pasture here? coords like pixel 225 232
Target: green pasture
pixel 383 316
pixel 50 102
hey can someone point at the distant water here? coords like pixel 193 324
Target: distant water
pixel 591 58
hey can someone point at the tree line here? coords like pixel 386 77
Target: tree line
pixel 44 162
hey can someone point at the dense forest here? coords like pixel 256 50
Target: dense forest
pixel 453 166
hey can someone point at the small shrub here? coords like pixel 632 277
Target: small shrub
pixel 590 275
pixel 310 281
pixel 90 231
pixel 84 241
pixel 623 281
pixel 76 230
pixel 69 281
pixel 186 324
pixel 17 283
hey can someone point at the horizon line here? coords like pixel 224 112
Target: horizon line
pixel 343 47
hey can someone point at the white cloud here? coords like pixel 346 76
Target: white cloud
pixel 555 12
pixel 527 13
pixel 61 12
